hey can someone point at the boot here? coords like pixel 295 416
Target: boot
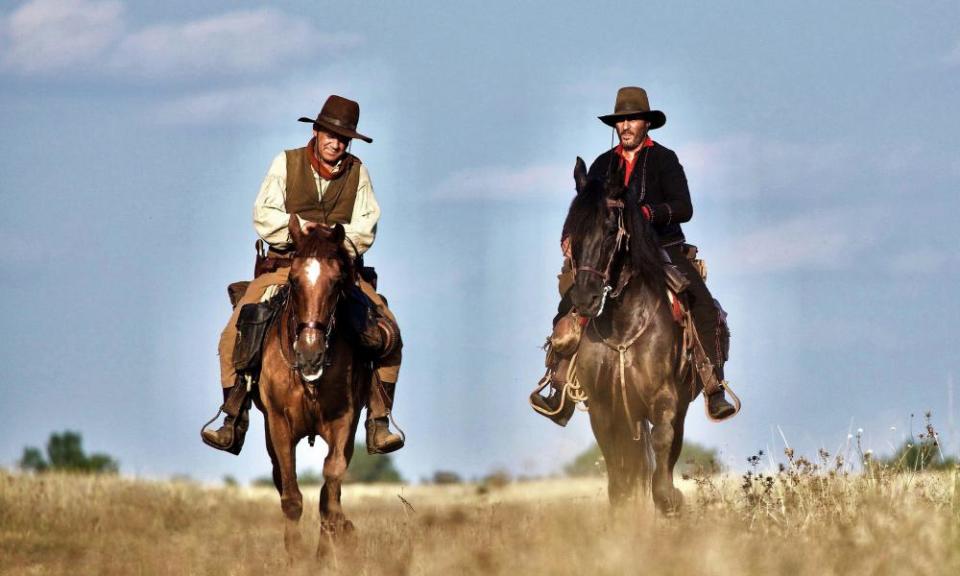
pixel 555 406
pixel 380 440
pixel 229 437
pixel 718 407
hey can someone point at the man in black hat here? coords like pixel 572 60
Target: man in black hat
pixel 321 183
pixel 657 176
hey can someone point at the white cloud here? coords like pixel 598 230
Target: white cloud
pixel 821 241
pixel 745 166
pixel 508 183
pixel 247 41
pixel 44 36
pixel 90 36
pixel 952 58
pixel 257 105
pixel 920 261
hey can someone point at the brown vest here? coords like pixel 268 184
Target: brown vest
pixel 303 198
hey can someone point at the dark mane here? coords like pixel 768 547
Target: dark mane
pixel 586 212
pixel 587 216
pixel 645 257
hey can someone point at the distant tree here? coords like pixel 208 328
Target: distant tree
pixel 229 481
pixel 309 477
pixel 917 456
pixel 587 463
pixel 698 460
pixel 366 468
pixel 65 453
pixel 497 479
pixel 446 477
pixel 33 460
pixel 263 482
pixel 694 459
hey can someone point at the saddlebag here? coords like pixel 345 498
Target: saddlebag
pixel 252 325
pixel 369 329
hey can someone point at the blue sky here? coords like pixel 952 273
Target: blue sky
pixel 818 139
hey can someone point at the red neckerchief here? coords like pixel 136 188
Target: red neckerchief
pixel 647 142
pixel 321 168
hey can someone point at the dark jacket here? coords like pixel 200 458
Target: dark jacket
pixel 665 192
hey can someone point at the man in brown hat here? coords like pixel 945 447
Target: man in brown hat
pixel 321 183
pixel 657 176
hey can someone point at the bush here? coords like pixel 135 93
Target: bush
pixel 364 469
pixel 695 459
pixel 446 477
pixel 65 453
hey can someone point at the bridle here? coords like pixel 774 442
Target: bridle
pixel 324 327
pixel 621 241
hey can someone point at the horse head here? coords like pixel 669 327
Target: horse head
pixel 610 241
pixel 320 268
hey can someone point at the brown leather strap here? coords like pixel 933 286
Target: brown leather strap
pixel 236 402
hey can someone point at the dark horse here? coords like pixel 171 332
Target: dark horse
pixel 630 361
pixel 312 381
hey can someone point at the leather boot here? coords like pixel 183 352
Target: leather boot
pixel 380 440
pixel 229 437
pixel 719 407
pixel 555 406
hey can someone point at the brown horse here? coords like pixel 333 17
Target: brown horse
pixel 629 359
pixel 312 381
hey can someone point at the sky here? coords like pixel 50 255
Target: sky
pixel 818 139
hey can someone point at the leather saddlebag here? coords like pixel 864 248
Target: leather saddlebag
pixel 252 325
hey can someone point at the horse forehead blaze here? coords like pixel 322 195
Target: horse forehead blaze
pixel 312 271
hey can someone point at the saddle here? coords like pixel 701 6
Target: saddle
pixel 366 327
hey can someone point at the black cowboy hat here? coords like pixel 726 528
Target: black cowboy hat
pixel 340 116
pixel 632 104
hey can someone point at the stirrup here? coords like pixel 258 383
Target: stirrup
pixel 239 425
pixel 724 385
pixel 371 427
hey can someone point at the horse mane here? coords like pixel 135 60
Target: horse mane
pixel 322 242
pixel 587 215
pixel 645 257
pixel 587 211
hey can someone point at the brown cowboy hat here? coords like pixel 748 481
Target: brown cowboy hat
pixel 340 116
pixel 632 104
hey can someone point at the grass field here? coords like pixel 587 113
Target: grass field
pixel 791 522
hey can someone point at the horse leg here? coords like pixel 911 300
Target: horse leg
pixel 665 495
pixel 275 464
pixel 291 500
pixel 603 431
pixel 677 436
pixel 332 519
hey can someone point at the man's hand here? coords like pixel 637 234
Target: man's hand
pixel 565 247
pixel 306 225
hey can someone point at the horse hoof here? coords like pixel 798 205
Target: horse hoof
pixel 671 503
pixel 336 526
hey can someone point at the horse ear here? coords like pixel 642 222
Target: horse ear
pixel 338 233
pixel 580 174
pixel 295 232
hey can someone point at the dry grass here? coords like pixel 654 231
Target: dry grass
pixel 791 522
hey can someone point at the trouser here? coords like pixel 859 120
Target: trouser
pixel 388 367
pixel 706 316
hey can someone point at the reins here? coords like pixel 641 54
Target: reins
pixel 622 367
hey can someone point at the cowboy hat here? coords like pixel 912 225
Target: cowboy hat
pixel 340 116
pixel 632 104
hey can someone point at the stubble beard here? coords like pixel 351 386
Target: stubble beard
pixel 636 141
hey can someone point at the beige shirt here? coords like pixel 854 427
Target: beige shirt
pixel 270 218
